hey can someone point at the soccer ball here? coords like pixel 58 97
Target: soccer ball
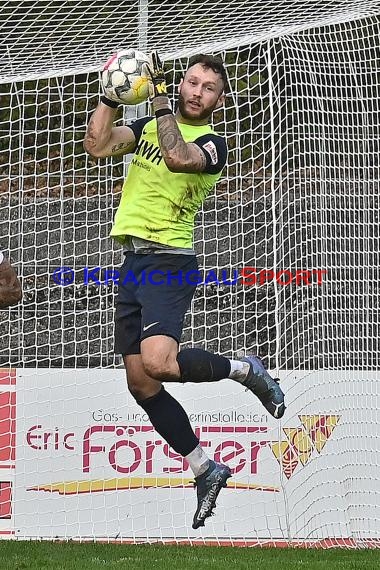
pixel 124 78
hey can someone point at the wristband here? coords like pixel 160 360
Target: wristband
pixel 161 112
pixel 108 102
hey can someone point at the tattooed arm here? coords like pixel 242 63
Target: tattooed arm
pixel 102 139
pixel 178 155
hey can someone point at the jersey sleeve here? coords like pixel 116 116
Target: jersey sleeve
pixel 214 148
pixel 138 125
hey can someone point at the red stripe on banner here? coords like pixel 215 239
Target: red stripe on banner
pixel 7 426
pixel 262 543
pixel 7 376
pixel 5 500
pixel 136 429
pixel 234 429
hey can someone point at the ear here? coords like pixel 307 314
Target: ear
pixel 220 102
pixel 179 86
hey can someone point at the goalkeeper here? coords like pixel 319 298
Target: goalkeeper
pixel 177 160
pixel 10 288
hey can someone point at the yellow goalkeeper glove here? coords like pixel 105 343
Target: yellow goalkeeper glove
pixel 156 75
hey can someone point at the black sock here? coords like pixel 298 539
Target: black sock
pixel 171 421
pixel 197 365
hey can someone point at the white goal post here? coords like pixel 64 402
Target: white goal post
pixel 295 217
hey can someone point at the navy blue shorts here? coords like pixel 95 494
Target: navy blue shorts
pixel 155 291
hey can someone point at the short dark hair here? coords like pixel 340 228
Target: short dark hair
pixel 211 62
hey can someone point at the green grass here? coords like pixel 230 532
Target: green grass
pixel 19 555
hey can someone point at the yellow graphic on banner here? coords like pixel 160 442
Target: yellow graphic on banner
pixel 301 441
pixel 319 428
pixel 129 483
pixel 285 455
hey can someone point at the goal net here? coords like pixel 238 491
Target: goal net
pixel 288 241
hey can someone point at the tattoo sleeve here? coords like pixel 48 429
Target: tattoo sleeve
pixel 91 140
pixel 103 138
pixel 185 157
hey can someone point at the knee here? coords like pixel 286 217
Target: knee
pixel 160 368
pixel 138 392
pixel 141 387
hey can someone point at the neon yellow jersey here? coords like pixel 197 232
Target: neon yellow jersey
pixel 159 205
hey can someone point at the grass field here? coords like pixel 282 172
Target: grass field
pixel 17 555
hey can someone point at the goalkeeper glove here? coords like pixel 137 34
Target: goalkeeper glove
pixel 156 74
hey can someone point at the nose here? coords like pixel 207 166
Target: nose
pixel 197 90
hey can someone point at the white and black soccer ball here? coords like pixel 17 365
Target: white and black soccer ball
pixel 124 78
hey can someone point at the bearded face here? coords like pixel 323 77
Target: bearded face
pixel 200 93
